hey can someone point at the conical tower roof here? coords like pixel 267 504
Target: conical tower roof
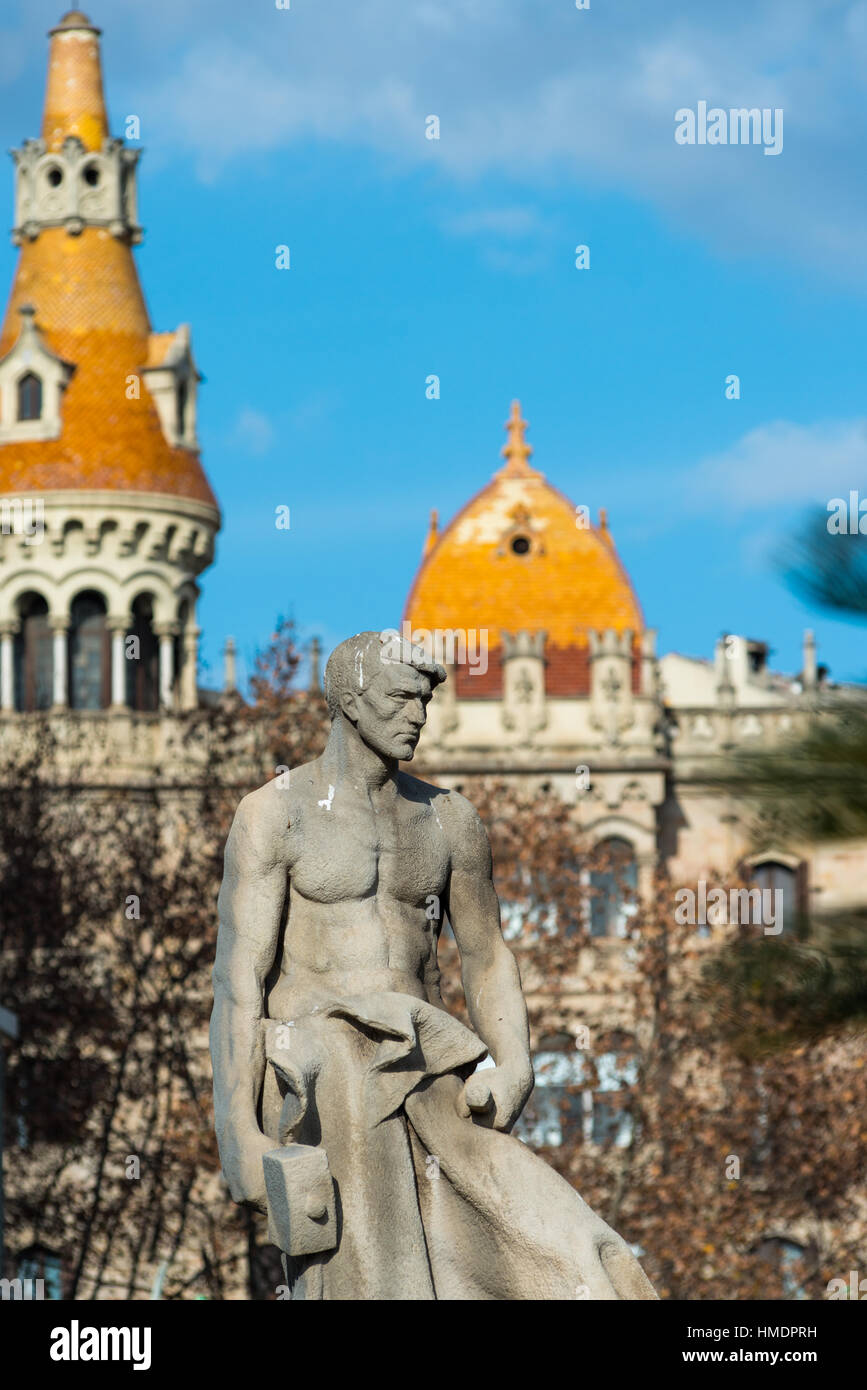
pixel 82 283
pixel 74 100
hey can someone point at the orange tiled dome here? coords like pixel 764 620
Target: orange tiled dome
pixel 514 559
pixel 90 311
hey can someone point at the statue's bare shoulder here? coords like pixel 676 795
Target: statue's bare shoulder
pixel 457 819
pixel 269 820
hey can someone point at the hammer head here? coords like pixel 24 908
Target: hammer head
pixel 300 1188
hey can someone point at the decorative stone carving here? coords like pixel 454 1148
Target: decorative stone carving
pixel 750 726
pixel 523 711
pixel 611 702
pixel 73 187
pixel 634 791
pixel 122 546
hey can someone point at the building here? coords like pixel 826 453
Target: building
pixel 108 521
pixel 108 517
pixel 556 680
pixel 555 684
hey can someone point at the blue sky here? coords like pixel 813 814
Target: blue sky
pixel 409 256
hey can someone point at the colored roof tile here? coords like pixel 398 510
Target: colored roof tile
pixel 517 557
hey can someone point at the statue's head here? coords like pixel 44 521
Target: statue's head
pixel 381 684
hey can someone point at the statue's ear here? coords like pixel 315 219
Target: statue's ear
pixel 349 705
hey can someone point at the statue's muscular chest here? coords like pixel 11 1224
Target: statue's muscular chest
pixel 344 850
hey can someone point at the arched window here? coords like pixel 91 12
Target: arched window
pixel 143 658
pixel 778 878
pixel 29 397
pixel 89 654
pixel 554 1113
pixel 614 885
pixel 528 917
pixel 579 1095
pixel 791 1263
pixel 34 658
pixel 610 1120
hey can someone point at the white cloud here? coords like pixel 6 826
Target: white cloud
pixel 253 432
pixel 539 93
pixel 782 464
pixel 510 223
pixel 533 92
pixel 513 239
pixel 313 412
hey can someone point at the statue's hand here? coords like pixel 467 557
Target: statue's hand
pixel 496 1096
pixel 246 1174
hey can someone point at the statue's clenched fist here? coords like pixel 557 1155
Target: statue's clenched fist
pixel 496 1096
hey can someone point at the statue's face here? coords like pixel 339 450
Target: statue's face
pixel 391 711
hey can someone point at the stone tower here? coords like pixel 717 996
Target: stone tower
pixel 106 516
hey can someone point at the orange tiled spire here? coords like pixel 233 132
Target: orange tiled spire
pixel 80 276
pixel 74 101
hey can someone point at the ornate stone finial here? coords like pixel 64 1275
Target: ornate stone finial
pixel 230 674
pixel 433 532
pixel 516 451
pixel 315 662
pixel 809 673
pixel 727 656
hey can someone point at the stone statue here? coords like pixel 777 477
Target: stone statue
pixel 348 1104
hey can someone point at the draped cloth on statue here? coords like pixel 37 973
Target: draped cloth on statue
pixel 430 1205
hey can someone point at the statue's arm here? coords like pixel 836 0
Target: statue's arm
pixel 489 972
pixel 250 910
